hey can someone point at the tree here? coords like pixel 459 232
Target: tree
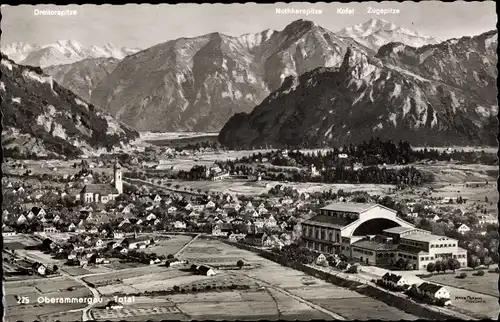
pixel 487 261
pixel 55 268
pixel 440 266
pixel 431 267
pixel 353 269
pixel 400 263
pixel 453 264
pixel 170 256
pixel 474 261
pixel 240 264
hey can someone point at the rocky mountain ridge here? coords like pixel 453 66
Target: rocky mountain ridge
pixel 61 52
pixel 436 94
pixel 83 76
pixel 197 84
pixel 42 118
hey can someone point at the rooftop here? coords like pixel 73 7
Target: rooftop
pixel 373 245
pixel 398 230
pixel 422 237
pixel 429 287
pixel 391 277
pixel 350 207
pixel 411 250
pixel 102 189
pixel 329 221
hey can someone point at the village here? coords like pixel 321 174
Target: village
pixel 89 217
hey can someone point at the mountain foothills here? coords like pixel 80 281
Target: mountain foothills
pixel 198 83
pixel 61 52
pixel 42 118
pixel 436 94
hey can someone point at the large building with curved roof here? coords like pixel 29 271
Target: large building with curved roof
pixel 373 234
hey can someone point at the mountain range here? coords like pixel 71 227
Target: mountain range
pixel 438 94
pixel 378 32
pixel 42 118
pixel 61 52
pixel 311 86
pixel 199 83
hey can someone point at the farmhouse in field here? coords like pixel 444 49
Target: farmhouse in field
pixel 136 242
pixel 393 280
pixel 103 193
pixel 39 268
pixel 433 291
pixel 205 270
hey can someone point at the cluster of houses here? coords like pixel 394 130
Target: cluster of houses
pixel 453 215
pixel 222 216
pixel 429 290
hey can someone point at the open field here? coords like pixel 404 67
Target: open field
pixel 275 292
pixel 169 246
pixel 471 193
pixel 33 289
pixel 486 284
pixel 19 241
pixel 62 316
pixel 183 141
pixel 51 167
pixel 75 271
pixel 282 280
pixel 487 304
pixel 149 278
pixel 245 187
pixel 460 173
pixel 38 256
pixel 173 135
pixel 205 158
pixel 486 149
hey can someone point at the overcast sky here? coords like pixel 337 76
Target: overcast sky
pixel 146 25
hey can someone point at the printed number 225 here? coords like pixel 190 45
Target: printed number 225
pixel 23 300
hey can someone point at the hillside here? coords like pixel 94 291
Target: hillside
pixel 82 76
pixel 42 118
pixel 428 96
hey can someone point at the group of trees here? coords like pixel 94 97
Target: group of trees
pixel 137 256
pixel 197 172
pixel 376 151
pixel 337 169
pixel 207 144
pixel 443 266
pixel 295 254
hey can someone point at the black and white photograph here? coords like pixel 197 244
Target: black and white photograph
pixel 245 161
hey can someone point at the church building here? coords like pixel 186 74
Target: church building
pixel 102 193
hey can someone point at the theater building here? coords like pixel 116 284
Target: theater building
pixel 373 234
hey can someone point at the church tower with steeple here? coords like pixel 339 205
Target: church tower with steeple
pixel 118 177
